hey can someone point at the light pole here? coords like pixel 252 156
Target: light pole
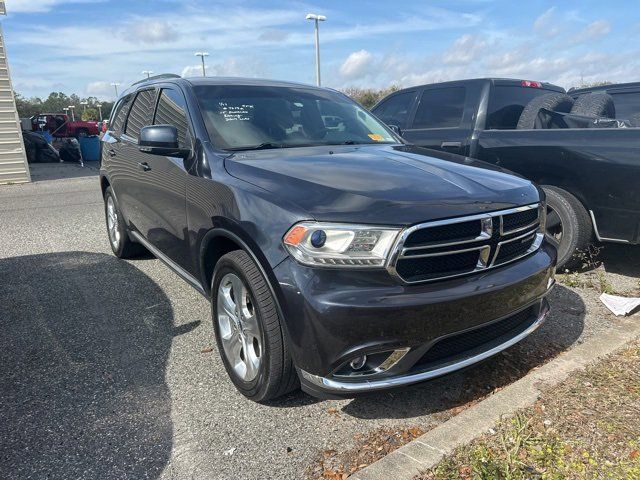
pixel 317 18
pixel 73 117
pixel 147 73
pixel 99 105
pixel 202 55
pixel 115 85
pixel 84 106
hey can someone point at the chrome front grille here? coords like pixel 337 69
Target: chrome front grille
pixel 461 246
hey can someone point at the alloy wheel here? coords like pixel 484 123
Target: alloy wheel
pixel 112 223
pixel 238 327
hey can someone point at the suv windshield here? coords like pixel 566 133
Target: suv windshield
pixel 240 117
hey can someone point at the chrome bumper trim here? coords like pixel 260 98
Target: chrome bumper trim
pixel 330 385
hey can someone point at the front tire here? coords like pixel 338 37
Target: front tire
pixel 568 226
pixel 121 245
pixel 248 329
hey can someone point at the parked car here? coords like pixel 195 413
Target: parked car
pixel 59 125
pixel 337 257
pixel 591 175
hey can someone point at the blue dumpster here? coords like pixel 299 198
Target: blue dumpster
pixel 90 148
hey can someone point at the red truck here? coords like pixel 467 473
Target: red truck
pixel 59 125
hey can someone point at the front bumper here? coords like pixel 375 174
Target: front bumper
pixel 323 387
pixel 332 316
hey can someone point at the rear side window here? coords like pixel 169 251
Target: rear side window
pixel 172 110
pixel 440 108
pixel 627 104
pixel 141 112
pixel 506 103
pixel 395 110
pixel 120 113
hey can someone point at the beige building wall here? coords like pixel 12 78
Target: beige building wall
pixel 13 159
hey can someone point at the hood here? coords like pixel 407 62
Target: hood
pixel 381 184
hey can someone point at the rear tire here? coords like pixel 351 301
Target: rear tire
pixel 568 226
pixel 121 245
pixel 250 337
pixel 595 104
pixel 556 102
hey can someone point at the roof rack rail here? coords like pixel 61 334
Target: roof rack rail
pixel 157 77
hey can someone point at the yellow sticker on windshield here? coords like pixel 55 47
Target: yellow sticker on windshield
pixel 376 137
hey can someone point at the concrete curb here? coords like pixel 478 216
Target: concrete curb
pixel 426 451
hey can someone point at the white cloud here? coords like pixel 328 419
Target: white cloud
pixel 274 35
pixel 593 31
pixel 547 23
pixel 100 89
pixel 152 31
pixel 356 65
pixel 38 6
pixel 464 50
pixel 193 71
pixel 231 67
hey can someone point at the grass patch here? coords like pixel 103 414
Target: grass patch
pixel 588 427
pixel 334 465
pixel 597 280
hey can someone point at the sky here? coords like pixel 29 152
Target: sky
pixel 82 46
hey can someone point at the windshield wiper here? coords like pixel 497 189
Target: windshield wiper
pixel 261 146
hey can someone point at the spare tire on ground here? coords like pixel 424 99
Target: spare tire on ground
pixel 556 102
pixel 69 150
pixel 594 104
pixel 30 146
pixel 37 148
pixel 48 154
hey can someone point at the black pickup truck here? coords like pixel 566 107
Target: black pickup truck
pixel 591 175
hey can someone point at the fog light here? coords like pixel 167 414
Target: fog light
pixel 358 362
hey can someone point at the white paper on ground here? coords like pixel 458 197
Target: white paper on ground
pixel 620 305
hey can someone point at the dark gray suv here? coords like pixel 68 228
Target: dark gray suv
pixel 334 255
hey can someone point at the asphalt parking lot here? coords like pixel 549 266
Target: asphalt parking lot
pixel 108 368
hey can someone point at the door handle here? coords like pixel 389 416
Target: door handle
pixel 112 152
pixel 144 166
pixel 451 145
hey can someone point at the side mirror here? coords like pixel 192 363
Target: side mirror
pixel 161 140
pixel 395 129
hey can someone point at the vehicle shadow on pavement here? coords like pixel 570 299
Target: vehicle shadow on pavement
pixel 85 339
pixel 41 172
pixel 561 330
pixel 621 259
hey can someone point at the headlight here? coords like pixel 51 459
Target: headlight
pixel 330 245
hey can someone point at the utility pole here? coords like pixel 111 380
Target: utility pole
pixel 115 85
pixel 317 18
pixel 99 105
pixel 202 55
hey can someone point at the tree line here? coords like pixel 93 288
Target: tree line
pixel 56 102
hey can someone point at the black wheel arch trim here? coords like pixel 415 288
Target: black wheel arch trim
pixel 263 266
